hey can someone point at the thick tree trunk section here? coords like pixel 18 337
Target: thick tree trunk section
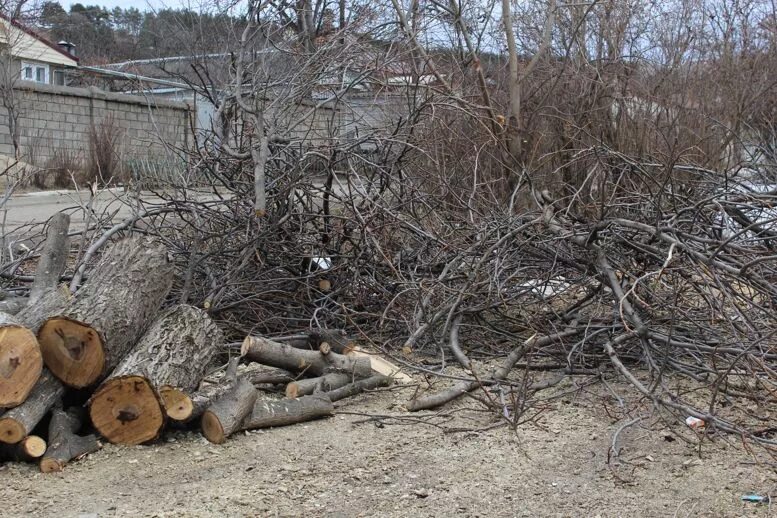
pixel 127 410
pixel 287 411
pixel 108 314
pixel 324 383
pixel 64 444
pixel 50 304
pixel 20 361
pixel 357 387
pixel 228 412
pixel 17 423
pixel 53 257
pixel 312 363
pixel 172 356
pixel 29 448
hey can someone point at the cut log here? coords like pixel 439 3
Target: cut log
pixel 17 423
pixel 382 366
pixel 12 305
pixel 324 383
pixel 337 340
pixel 108 314
pixel 20 361
pixel 228 412
pixel 357 387
pixel 50 304
pixel 287 411
pixel 127 410
pixel 29 448
pixel 171 356
pixel 312 363
pixel 53 257
pixel 64 444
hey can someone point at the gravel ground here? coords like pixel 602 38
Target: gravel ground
pixel 351 465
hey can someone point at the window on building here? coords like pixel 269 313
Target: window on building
pixel 35 72
pixel 59 77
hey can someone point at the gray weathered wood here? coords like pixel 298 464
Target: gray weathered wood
pixel 311 363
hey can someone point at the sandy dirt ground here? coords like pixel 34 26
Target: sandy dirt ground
pixel 354 464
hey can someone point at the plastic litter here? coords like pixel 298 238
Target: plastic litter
pixel 695 423
pixel 758 499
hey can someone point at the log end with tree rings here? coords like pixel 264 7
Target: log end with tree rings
pixel 127 410
pixel 11 430
pixel 20 364
pixel 212 429
pixel 73 351
pixel 33 446
pixel 178 405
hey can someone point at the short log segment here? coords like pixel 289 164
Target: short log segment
pixel 336 339
pixel 64 444
pixel 287 411
pixel 312 363
pixel 357 387
pixel 53 257
pixel 20 361
pixel 324 383
pixel 29 448
pixel 172 356
pixel 225 416
pixel 18 423
pixel 127 410
pixel 108 314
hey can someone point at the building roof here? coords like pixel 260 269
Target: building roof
pixel 32 45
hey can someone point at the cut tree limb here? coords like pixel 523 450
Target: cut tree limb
pixel 18 423
pixel 266 414
pixel 312 363
pixel 29 448
pixel 53 258
pixel 324 383
pixel 20 361
pixel 108 314
pixel 127 410
pixel 226 414
pixel 357 387
pixel 171 356
pixel 64 444
pixel 50 303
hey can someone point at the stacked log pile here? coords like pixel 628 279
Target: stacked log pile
pixel 142 366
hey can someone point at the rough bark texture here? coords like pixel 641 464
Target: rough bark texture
pixel 324 383
pixel 29 448
pixel 287 411
pixel 53 257
pixel 312 363
pixel 172 355
pixel 17 423
pixel 228 412
pixel 64 444
pixel 108 314
pixel 20 361
pixel 50 303
pixel 358 387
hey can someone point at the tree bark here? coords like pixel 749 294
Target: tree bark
pixel 64 444
pixel 53 257
pixel 287 411
pixel 29 448
pixel 18 423
pixel 108 314
pixel 171 356
pixel 324 383
pixel 312 363
pixel 228 412
pixel 20 361
pixel 49 304
pixel 338 341
pixel 357 387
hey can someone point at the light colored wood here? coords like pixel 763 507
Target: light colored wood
pixel 29 448
pixel 72 350
pixel 225 416
pixel 382 366
pixel 311 363
pixel 18 423
pixel 127 410
pixel 178 405
pixel 20 361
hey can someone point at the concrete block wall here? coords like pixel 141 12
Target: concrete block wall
pixel 53 118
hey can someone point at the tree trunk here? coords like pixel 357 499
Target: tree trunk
pixel 287 411
pixel 64 444
pixel 49 304
pixel 228 412
pixel 20 361
pixel 108 314
pixel 324 383
pixel 53 257
pixel 17 423
pixel 127 410
pixel 312 363
pixel 171 358
pixel 29 448
pixel 357 387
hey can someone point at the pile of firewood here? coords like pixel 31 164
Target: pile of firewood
pixel 134 368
